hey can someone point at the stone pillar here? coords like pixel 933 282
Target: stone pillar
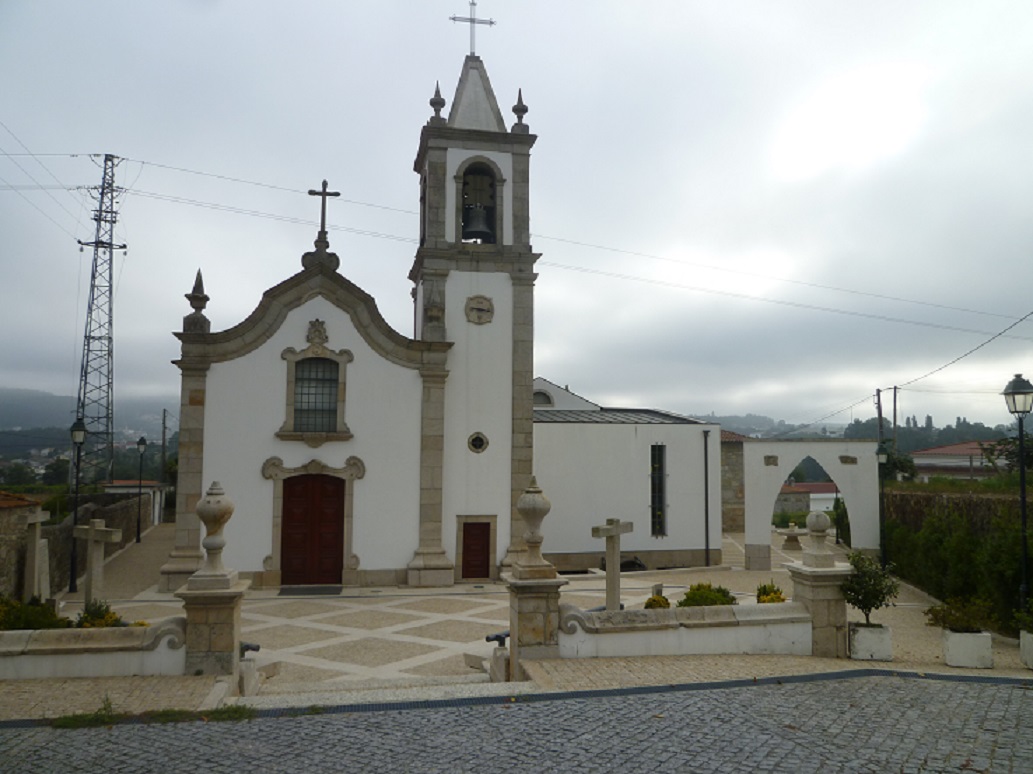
pixel 534 591
pixel 212 598
pixel 96 535
pixel 36 558
pixel 816 584
pixel 430 566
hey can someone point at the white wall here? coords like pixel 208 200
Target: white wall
pixel 478 398
pixel 245 406
pixel 592 472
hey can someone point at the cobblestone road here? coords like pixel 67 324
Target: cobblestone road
pixel 871 724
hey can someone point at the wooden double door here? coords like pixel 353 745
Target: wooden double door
pixel 312 533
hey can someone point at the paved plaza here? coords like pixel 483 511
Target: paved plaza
pixel 378 680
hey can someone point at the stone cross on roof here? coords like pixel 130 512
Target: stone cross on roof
pixel 321 256
pixel 473 21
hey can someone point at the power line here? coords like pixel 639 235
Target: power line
pixel 781 302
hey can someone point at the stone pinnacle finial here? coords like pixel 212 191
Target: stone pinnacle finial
pixel 437 102
pixel 520 110
pixel 196 322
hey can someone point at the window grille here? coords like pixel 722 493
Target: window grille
pixel 658 489
pixel 315 395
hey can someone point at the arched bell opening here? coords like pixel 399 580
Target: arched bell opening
pixel 478 216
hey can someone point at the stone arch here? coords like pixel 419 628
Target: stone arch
pixel 852 465
pixel 498 215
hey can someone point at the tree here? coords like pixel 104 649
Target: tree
pixel 56 472
pixel 18 474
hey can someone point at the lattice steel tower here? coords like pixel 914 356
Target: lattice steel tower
pixel 94 405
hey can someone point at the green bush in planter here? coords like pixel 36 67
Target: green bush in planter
pixel 962 615
pixel 657 602
pixel 769 593
pixel 703 594
pixel 869 587
pixel 29 615
pixel 1024 618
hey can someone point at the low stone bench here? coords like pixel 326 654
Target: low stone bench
pixel 122 651
pixel 777 628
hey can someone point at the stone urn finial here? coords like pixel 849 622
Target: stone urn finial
pixel 215 509
pixel 817 554
pixel 533 507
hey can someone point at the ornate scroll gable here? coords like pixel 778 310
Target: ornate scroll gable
pixel 330 424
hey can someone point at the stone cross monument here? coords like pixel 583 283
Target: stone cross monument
pixel 96 535
pixel 612 531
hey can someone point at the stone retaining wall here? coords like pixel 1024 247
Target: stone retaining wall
pixel 781 628
pixel 158 649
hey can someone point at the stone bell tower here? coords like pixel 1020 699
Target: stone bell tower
pixel 474 286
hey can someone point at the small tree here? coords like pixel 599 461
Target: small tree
pixel 869 587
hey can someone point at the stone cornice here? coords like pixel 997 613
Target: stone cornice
pixel 471 139
pixel 515 261
pixel 201 349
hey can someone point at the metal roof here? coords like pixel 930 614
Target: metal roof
pixel 614 416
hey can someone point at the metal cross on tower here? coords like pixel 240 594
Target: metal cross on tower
pixel 473 21
pixel 94 403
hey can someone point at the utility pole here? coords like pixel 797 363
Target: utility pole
pixel 878 408
pixel 895 388
pixel 94 402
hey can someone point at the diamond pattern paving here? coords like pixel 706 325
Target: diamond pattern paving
pixel 280 637
pixel 452 631
pixel 370 652
pixel 370 619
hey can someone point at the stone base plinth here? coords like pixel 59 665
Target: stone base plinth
pixel 818 589
pixel 429 569
pixel 177 570
pixel 213 629
pixel 534 621
pixel 758 556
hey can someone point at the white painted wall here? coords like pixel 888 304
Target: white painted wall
pixel 456 156
pixel 478 398
pixel 592 472
pixel 858 483
pixel 245 406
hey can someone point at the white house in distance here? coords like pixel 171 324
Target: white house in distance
pixel 359 455
pixel 956 460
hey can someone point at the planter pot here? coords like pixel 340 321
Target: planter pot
pixel 1026 648
pixel 968 649
pixel 870 643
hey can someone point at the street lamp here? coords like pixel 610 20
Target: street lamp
pixel 883 457
pixel 141 445
pixel 78 431
pixel 1019 397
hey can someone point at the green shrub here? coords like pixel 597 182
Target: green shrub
pixel 962 615
pixel 97 614
pixel 769 593
pixel 782 520
pixel 657 601
pixel 703 594
pixel 29 615
pixel 870 587
pixel 1024 618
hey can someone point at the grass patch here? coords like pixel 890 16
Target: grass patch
pixel 106 716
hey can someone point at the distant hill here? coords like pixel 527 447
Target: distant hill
pixel 20 408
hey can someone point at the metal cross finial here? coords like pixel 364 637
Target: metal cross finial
pixel 473 21
pixel 322 215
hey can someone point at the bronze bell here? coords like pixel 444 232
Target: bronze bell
pixel 476 225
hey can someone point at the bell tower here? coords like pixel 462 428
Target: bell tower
pixel 474 286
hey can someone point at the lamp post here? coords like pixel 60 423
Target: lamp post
pixel 1019 397
pixel 882 457
pixel 78 431
pixel 141 445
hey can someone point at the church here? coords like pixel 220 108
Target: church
pixel 356 455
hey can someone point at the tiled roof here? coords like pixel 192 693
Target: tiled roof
pixel 8 500
pixel 966 449
pixel 728 435
pixel 614 416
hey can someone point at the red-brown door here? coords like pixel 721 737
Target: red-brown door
pixel 312 537
pixel 476 549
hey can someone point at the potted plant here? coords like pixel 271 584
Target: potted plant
pixel 870 587
pixel 966 641
pixel 1024 620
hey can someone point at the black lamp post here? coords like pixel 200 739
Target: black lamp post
pixel 1019 397
pixel 883 457
pixel 141 445
pixel 78 439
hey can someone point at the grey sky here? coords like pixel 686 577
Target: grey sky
pixel 710 183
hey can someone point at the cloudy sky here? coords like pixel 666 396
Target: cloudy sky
pixel 767 207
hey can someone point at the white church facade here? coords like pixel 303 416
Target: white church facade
pixel 357 455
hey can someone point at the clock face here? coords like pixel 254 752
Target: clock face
pixel 479 310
